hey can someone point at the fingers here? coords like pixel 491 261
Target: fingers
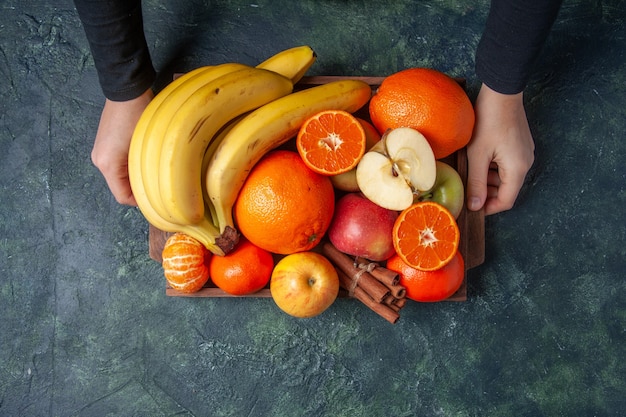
pixel 119 185
pixel 500 153
pixel 494 184
pixel 507 183
pixel 110 150
pixel 477 178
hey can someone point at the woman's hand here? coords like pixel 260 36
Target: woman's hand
pixel 110 149
pixel 500 153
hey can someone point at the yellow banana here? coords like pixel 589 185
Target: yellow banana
pixel 160 119
pixel 293 63
pixel 194 124
pixel 137 139
pixel 208 155
pixel 205 232
pixel 266 128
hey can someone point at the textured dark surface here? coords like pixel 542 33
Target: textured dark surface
pixel 86 328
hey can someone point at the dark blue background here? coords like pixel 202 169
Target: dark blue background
pixel 86 328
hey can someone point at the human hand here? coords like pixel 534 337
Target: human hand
pixel 500 153
pixel 110 148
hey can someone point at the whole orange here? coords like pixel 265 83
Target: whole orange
pixel 429 286
pixel 185 263
pixel 426 100
pixel 244 270
pixel 284 207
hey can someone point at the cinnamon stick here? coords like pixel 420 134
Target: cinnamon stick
pixel 400 302
pixel 383 310
pixel 360 277
pixel 390 299
pixel 386 276
pixel 395 308
pixel 398 291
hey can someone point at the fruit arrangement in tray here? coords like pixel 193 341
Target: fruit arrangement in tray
pixel 257 182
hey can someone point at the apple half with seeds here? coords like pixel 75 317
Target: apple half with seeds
pixel 399 167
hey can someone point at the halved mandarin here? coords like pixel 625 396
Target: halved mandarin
pixel 426 236
pixel 331 142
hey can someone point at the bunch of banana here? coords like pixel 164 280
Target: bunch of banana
pixel 176 128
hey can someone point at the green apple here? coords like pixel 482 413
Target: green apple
pixel 448 189
pixel 399 167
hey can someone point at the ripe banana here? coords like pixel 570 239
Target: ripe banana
pixel 205 232
pixel 193 125
pixel 266 128
pixel 208 156
pixel 159 120
pixel 293 63
pixel 138 137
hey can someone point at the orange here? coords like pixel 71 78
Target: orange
pixel 429 101
pixel 283 206
pixel 185 263
pixel 426 236
pixel 244 270
pixel 331 142
pixel 429 285
pixel 371 133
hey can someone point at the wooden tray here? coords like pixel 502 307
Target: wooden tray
pixel 471 224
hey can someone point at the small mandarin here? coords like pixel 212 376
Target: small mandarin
pixel 185 263
pixel 331 142
pixel 244 270
pixel 426 236
pixel 429 286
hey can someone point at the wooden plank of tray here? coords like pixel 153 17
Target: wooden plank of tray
pixel 471 224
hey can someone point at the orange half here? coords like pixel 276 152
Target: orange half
pixel 426 236
pixel 331 142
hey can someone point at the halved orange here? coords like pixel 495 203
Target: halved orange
pixel 426 236
pixel 331 142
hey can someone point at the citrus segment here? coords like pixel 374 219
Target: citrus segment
pixel 331 142
pixel 426 236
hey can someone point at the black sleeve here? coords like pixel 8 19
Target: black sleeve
pixel 514 35
pixel 114 30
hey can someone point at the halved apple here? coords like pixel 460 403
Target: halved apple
pixel 401 165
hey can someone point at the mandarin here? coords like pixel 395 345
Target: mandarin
pixel 284 207
pixel 244 270
pixel 426 100
pixel 429 286
pixel 331 142
pixel 185 263
pixel 426 236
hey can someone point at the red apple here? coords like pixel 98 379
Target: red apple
pixel 304 284
pixel 362 228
